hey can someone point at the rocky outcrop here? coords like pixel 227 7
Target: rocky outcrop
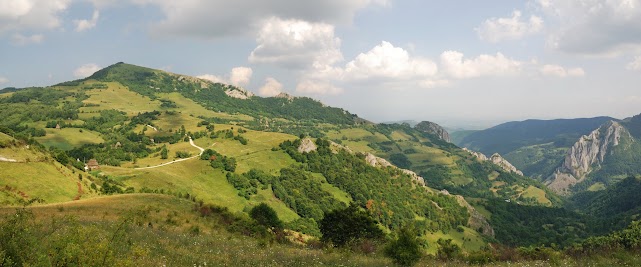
pixel 504 164
pixel 306 146
pixel 378 162
pixel 586 155
pixel 285 96
pixel 237 92
pixel 433 128
pixel 497 159
pixel 478 155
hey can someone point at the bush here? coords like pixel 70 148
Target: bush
pixel 349 224
pixel 266 216
pixel 406 249
pixel 447 250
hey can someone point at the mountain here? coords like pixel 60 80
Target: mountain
pixel 152 131
pixel 433 128
pixel 602 158
pixel 535 147
pixel 155 132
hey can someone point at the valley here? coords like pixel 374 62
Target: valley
pixel 186 159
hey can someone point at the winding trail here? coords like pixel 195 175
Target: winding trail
pixel 191 142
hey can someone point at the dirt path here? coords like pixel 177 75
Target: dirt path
pixel 191 142
pixel 7 159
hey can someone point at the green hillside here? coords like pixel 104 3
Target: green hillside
pixel 535 147
pixel 154 132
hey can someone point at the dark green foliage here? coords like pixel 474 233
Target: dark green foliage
pixel 219 161
pixel 306 226
pixel 348 224
pixel 16 233
pixel 164 152
pixel 400 160
pixel 303 194
pixel 520 225
pixel 447 250
pixel 266 216
pixel 388 189
pixel 245 186
pixel 182 154
pixel 628 238
pixel 406 249
pixel 613 208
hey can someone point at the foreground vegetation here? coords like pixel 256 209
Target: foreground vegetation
pixel 157 230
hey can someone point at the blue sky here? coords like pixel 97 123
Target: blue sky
pixel 459 63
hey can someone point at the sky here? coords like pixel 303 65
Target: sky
pixel 468 64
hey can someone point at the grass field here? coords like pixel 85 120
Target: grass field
pixel 49 181
pixel 537 194
pixel 118 97
pixel 258 152
pixel 68 138
pixel 197 110
pixel 192 176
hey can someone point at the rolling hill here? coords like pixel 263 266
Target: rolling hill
pixel 139 125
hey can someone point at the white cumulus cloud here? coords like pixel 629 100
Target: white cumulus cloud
pixel 238 76
pixel 594 27
pixel 635 64
pixel 271 88
pixel 86 70
pixel 19 15
pixel 387 61
pixel 559 71
pixel 296 44
pixel 3 80
pixel 513 28
pixel 83 24
pixel 454 65
pixel 19 39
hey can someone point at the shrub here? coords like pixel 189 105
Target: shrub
pixel 406 249
pixel 266 216
pixel 447 250
pixel 349 224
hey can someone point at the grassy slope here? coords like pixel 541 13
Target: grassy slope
pixel 68 138
pixel 49 181
pixel 118 97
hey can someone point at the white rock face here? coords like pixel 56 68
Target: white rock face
pixel 237 92
pixel 503 163
pixel 581 158
pixel 382 163
pixel 306 146
pixel 497 160
pixel 478 155
pixel 435 129
pixel 285 95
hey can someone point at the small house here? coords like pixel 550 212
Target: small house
pixel 58 126
pixel 92 165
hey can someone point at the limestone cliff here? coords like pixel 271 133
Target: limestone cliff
pixel 497 159
pixel 433 128
pixel 503 163
pixel 586 155
pixel 237 92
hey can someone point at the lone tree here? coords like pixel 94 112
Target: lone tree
pixel 266 216
pixel 349 224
